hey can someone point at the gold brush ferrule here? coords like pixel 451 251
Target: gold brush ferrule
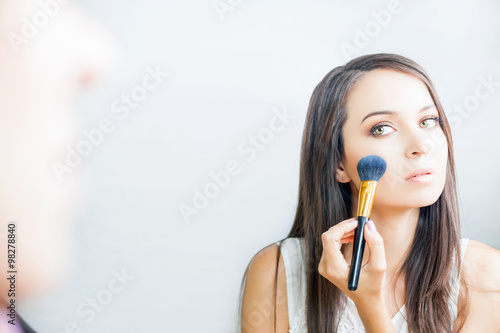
pixel 367 190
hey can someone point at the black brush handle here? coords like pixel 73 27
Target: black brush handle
pixel 358 247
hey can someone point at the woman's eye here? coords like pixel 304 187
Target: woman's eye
pixel 381 129
pixel 429 122
pixel 385 128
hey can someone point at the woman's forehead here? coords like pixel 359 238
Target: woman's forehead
pixel 385 89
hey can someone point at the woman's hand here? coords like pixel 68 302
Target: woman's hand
pixel 333 266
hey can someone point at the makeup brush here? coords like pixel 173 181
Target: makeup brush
pixel 370 169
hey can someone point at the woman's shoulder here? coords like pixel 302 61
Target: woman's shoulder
pixel 481 265
pixel 481 272
pixel 259 297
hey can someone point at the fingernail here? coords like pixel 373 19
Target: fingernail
pixel 371 226
pixel 351 221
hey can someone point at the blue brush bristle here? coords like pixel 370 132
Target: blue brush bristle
pixel 371 167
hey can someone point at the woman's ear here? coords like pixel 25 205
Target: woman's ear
pixel 342 176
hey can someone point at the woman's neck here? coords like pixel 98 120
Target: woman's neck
pixel 397 227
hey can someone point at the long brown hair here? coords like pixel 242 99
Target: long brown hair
pixel 324 202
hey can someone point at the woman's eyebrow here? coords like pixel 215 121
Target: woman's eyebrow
pixel 375 113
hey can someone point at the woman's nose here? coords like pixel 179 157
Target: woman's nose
pixel 418 143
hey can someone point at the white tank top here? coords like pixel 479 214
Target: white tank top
pixel 293 256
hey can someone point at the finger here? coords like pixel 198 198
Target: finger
pixel 333 239
pixel 376 261
pixel 339 231
pixel 332 264
pixel 347 239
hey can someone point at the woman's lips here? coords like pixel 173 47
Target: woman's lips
pixel 420 176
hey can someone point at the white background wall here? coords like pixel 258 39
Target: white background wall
pixel 228 73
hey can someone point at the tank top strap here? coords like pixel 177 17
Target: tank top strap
pixel 455 282
pixel 292 251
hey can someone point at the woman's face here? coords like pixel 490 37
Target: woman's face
pixel 391 114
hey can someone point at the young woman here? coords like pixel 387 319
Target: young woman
pixel 418 274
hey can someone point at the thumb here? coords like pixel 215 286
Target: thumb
pixel 377 261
